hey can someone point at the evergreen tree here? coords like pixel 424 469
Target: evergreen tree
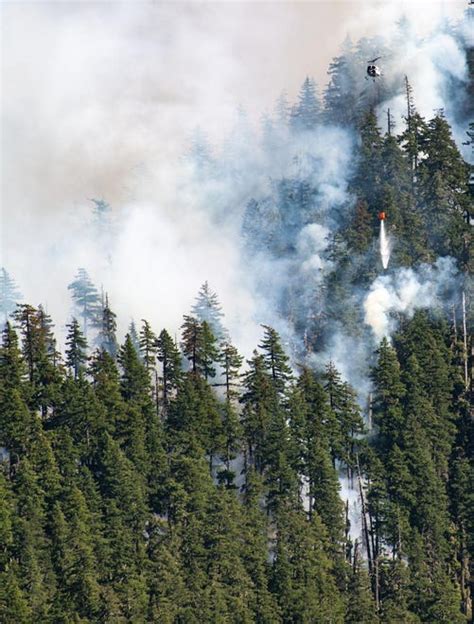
pixel 360 606
pixel 106 338
pixel 86 300
pixel 259 398
pixel 443 188
pixel 9 294
pixel 305 114
pixel 78 562
pixel 12 367
pixel 41 356
pixel 302 573
pixel 199 346
pixel 341 105
pixel 348 421
pixel 210 353
pixel 76 352
pixel 389 392
pixel 132 330
pixel 369 168
pixel 192 341
pixel 208 309
pixel 168 594
pixel 275 359
pixel 231 363
pixel 312 423
pixel 14 607
pixel 147 344
pixel 170 358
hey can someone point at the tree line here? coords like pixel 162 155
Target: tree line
pixel 164 482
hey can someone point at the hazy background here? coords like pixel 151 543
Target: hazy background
pixel 99 99
pixel 91 90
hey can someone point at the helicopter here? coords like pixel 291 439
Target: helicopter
pixel 373 71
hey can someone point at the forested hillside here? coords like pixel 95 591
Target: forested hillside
pixel 170 479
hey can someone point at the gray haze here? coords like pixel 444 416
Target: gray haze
pixel 98 100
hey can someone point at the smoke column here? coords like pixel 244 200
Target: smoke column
pixel 384 245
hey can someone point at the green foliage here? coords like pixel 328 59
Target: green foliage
pixel 76 352
pixel 147 345
pixel 107 324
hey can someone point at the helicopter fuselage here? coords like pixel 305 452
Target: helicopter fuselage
pixel 373 71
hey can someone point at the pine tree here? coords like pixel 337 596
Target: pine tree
pixel 208 309
pixel 348 420
pixel 280 478
pixel 443 189
pixel 305 114
pixel 226 570
pixel 360 605
pixel 341 100
pixel 147 345
pixel 412 139
pixel 86 300
pixel 135 382
pixel 302 572
pixel 210 353
pixel 14 607
pixel 389 392
pixel 231 363
pixel 192 341
pixel 9 294
pixel 29 549
pixel 255 551
pixel 140 412
pixel 41 356
pixel 275 359
pixel 106 338
pixel 76 352
pixel 360 232
pixel 25 317
pixel 12 367
pixel 282 109
pixel 168 594
pixel 106 385
pixel 132 330
pixel 194 419
pixel 170 358
pixel 259 398
pixel 312 423
pixel 369 168
pixel 79 564
pixel 199 346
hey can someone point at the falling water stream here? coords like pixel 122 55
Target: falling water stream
pixel 384 245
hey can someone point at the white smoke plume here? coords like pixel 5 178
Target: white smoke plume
pixel 101 97
pixel 406 291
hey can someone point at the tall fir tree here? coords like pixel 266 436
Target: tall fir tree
pixel 9 295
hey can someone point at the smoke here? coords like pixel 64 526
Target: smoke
pixel 421 43
pixel 406 291
pixel 101 98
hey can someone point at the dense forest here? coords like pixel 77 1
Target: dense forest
pixel 168 479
